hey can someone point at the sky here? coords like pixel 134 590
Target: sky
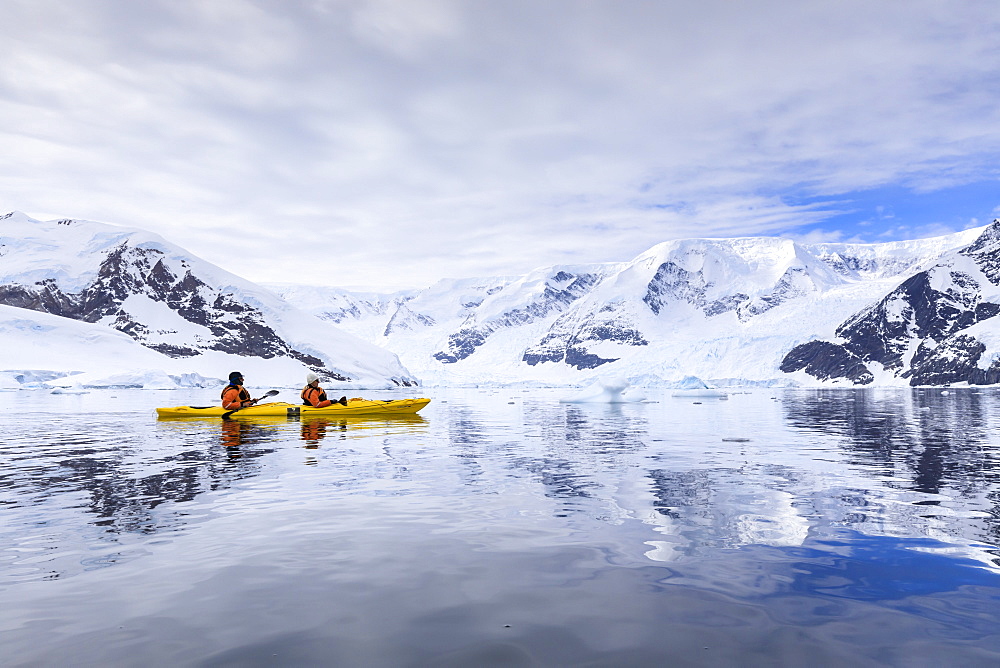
pixel 391 143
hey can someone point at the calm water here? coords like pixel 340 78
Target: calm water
pixel 786 528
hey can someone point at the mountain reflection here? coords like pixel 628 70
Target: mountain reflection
pixel 123 484
pixel 718 508
pixel 808 464
pixel 933 439
pixel 582 450
pixel 928 441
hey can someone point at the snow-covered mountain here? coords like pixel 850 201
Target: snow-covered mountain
pixel 937 327
pixel 103 299
pixel 728 310
pixel 180 313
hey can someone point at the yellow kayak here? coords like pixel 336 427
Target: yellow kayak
pixel 353 407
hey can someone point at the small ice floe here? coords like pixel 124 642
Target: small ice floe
pixel 11 380
pixel 69 390
pixel 607 391
pixel 945 392
pixel 692 386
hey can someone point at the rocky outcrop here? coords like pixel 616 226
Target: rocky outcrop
pixel 827 361
pixel 128 271
pixel 407 319
pixel 170 301
pixel 569 337
pixel 917 331
pixel 561 290
pixel 954 360
pixel 672 283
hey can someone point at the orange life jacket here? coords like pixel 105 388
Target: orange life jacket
pixel 233 396
pixel 313 396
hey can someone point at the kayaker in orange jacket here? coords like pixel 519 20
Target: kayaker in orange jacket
pixel 314 395
pixel 234 395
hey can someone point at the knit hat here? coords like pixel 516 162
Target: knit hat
pixel 235 376
pixel 311 378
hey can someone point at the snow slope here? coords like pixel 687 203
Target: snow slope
pixel 732 311
pixel 937 327
pixel 193 314
pixel 728 310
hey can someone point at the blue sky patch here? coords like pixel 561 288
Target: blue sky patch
pixel 894 213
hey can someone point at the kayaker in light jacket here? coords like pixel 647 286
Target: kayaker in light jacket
pixel 314 395
pixel 234 395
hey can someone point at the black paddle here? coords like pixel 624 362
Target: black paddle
pixel 269 393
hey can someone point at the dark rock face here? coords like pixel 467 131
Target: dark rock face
pixel 236 327
pixel 572 354
pixel 952 361
pixel 915 310
pixel 672 283
pixel 351 312
pixel 561 290
pixel 406 318
pixel 462 343
pixel 849 265
pixel 825 361
pixel 791 284
pixel 45 297
pixel 567 341
pixel 725 304
pixel 917 317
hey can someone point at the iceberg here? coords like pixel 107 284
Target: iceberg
pixel 692 386
pixel 608 391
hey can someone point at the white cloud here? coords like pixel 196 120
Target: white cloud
pixel 395 142
pixel 404 28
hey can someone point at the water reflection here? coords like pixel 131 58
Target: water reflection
pixel 129 478
pixel 931 442
pixel 583 451
pixel 127 483
pixel 490 517
pixel 314 431
pixel 235 433
pixel 701 510
pixel 935 438
pixel 894 463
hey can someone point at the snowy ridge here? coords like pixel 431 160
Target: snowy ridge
pixel 713 308
pixel 109 300
pixel 937 327
pixel 174 304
